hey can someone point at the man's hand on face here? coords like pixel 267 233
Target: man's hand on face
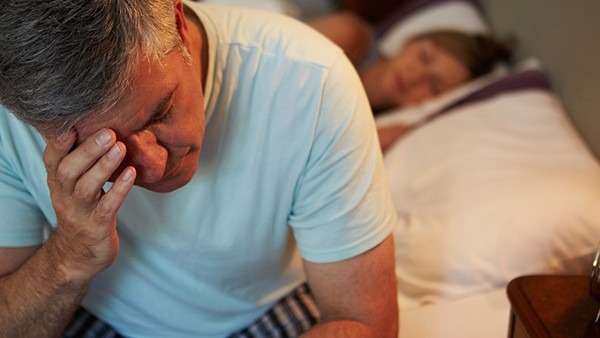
pixel 86 232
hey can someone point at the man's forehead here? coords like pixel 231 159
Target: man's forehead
pixel 115 118
pixel 129 115
pixel 138 103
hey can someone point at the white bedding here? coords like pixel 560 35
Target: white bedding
pixel 487 192
pixel 479 315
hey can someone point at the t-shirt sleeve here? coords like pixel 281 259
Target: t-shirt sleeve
pixel 21 221
pixel 342 205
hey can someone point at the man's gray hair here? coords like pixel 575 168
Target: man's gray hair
pixel 61 60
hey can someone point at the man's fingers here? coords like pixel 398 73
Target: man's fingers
pixel 90 183
pixel 56 150
pixel 82 158
pixel 110 202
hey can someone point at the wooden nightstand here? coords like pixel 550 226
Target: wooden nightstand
pixel 552 306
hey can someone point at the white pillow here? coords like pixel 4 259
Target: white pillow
pixel 460 16
pixel 490 191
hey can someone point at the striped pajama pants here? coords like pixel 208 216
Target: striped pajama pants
pixel 288 318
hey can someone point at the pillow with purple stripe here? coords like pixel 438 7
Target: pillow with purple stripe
pixel 518 80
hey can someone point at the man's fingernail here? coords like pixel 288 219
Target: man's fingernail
pixel 103 138
pixel 127 175
pixel 114 151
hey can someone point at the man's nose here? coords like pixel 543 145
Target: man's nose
pixel 146 155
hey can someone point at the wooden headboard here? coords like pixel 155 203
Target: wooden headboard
pixel 565 36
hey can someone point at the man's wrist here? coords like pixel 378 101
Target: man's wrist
pixel 60 271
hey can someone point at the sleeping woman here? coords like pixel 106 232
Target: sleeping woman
pixel 424 67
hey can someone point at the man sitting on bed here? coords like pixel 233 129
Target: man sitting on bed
pixel 242 159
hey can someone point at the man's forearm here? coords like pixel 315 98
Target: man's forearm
pixel 346 329
pixel 38 300
pixel 342 328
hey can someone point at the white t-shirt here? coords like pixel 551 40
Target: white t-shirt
pixel 290 155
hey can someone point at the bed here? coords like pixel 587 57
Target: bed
pixel 501 178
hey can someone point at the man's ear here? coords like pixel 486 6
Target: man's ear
pixel 182 24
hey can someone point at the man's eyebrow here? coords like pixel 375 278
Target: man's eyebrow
pixel 159 109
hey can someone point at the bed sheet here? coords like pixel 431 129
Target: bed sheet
pixel 479 315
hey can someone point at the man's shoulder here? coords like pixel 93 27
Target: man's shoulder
pixel 14 131
pixel 270 32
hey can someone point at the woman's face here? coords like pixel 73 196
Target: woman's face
pixel 421 70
